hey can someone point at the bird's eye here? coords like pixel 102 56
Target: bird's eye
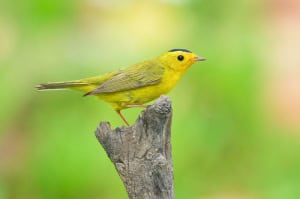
pixel 180 57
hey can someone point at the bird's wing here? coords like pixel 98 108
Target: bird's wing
pixel 139 75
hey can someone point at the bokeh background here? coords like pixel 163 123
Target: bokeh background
pixel 236 121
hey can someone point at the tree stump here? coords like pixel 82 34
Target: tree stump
pixel 141 153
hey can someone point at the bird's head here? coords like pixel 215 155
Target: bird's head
pixel 179 59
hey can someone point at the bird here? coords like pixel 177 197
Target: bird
pixel 135 85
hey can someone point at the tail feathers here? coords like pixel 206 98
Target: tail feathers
pixel 60 85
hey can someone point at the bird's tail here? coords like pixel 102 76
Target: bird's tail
pixel 60 85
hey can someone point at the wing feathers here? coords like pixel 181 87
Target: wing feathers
pixel 140 75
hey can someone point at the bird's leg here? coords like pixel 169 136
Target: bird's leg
pixel 130 106
pixel 123 118
pixel 135 105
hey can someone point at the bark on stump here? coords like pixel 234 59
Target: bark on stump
pixel 141 153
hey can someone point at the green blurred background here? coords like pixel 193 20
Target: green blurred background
pixel 236 121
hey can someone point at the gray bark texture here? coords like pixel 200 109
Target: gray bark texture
pixel 141 153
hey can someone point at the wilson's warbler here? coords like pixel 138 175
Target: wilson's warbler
pixel 135 85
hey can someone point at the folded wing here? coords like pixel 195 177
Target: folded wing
pixel 140 75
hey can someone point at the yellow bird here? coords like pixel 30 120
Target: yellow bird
pixel 135 85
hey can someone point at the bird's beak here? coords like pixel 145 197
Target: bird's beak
pixel 197 58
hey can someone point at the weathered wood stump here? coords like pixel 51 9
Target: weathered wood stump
pixel 141 153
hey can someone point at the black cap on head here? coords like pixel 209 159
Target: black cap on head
pixel 178 49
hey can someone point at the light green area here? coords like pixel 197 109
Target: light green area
pixel 221 143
